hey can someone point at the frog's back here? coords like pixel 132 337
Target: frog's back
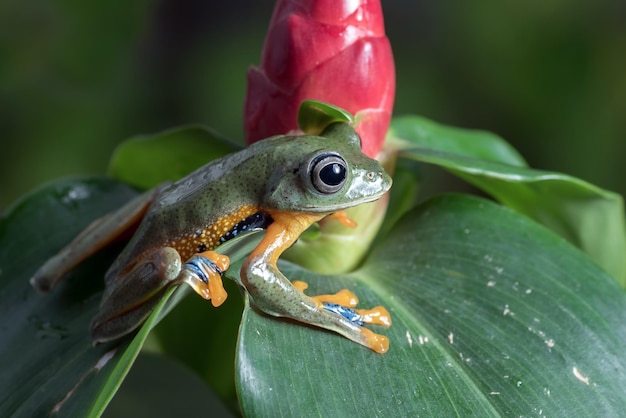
pixel 209 206
pixel 192 214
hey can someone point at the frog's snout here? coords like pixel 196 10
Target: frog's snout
pixel 369 185
pixel 379 178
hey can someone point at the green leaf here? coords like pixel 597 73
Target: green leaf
pixel 493 316
pixel 44 339
pixel 160 386
pixel 589 217
pixel 122 360
pixel 424 133
pixel 203 337
pixel 314 116
pixel 45 343
pixel 46 353
pixel 148 160
pixel 477 328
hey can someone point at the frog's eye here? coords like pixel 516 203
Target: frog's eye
pixel 328 173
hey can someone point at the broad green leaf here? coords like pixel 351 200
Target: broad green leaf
pixel 589 217
pixel 45 343
pixel 44 339
pixel 159 386
pixel 493 315
pixel 556 308
pixel 203 337
pixel 424 133
pixel 148 160
pixel 46 354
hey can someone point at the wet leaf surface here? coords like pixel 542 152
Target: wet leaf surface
pixel 493 316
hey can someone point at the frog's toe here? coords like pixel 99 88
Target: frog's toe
pixel 300 285
pixel 376 342
pixel 376 316
pixel 343 297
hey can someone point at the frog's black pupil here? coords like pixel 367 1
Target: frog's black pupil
pixel 333 174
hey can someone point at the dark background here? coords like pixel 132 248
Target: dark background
pixel 76 78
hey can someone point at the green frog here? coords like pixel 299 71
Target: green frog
pixel 282 185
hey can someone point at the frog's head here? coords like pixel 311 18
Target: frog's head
pixel 326 173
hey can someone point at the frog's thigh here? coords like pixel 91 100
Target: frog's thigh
pixel 129 298
pixel 274 294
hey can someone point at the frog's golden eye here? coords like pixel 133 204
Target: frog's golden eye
pixel 328 173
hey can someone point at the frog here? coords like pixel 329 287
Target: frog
pixel 281 185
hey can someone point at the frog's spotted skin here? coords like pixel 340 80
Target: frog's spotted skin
pixel 224 229
pixel 282 184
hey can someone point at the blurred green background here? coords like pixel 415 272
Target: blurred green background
pixel 76 78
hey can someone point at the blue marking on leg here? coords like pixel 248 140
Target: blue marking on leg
pixel 198 265
pixel 350 314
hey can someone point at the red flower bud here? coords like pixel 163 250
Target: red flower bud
pixel 334 51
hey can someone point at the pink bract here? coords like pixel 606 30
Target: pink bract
pixel 334 51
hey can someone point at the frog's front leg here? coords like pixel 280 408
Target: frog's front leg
pixel 271 292
pixel 130 297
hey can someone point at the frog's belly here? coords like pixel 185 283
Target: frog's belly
pixel 245 219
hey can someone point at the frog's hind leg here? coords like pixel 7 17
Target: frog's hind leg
pixel 136 292
pixel 127 304
pixel 96 236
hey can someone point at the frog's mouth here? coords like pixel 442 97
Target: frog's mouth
pixel 365 187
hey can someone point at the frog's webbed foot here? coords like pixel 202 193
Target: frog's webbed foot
pixel 203 272
pixel 344 303
pixel 359 317
pixel 132 295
